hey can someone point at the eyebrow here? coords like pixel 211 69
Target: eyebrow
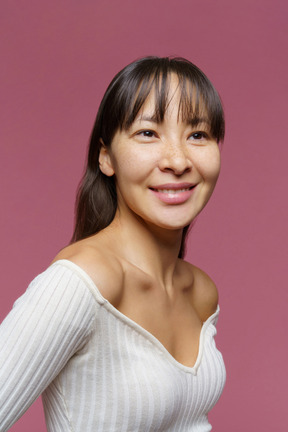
pixel 151 119
pixel 193 121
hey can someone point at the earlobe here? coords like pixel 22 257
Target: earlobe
pixel 105 163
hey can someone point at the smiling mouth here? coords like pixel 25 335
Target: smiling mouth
pixel 173 193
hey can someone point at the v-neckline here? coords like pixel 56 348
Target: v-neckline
pixel 141 330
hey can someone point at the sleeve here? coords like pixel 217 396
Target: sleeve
pixel 45 327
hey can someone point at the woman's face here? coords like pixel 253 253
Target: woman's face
pixel 165 172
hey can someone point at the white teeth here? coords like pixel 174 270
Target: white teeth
pixel 172 191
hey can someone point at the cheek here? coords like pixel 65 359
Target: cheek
pixel 132 165
pixel 209 164
pixel 122 162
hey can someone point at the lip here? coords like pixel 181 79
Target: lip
pixel 173 193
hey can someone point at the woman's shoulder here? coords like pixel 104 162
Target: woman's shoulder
pixel 204 292
pixel 101 265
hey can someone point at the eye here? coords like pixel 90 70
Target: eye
pixel 198 136
pixel 146 133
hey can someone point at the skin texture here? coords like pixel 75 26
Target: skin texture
pixel 134 261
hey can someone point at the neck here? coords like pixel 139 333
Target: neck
pixel 155 250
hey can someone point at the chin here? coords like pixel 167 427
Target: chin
pixel 174 226
pixel 172 222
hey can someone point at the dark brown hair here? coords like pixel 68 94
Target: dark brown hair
pixel 96 202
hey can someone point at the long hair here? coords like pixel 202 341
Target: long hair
pixel 96 202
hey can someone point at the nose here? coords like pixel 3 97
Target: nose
pixel 175 158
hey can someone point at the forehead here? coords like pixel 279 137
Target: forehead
pixel 172 97
pixel 192 95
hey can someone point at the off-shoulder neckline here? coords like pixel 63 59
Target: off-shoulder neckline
pixel 141 330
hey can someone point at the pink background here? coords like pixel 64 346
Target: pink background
pixel 57 58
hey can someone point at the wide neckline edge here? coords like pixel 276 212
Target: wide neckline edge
pixel 133 324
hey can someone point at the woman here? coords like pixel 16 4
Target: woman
pixel 118 333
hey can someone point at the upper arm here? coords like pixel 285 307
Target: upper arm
pixel 47 325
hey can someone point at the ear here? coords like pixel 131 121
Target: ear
pixel 105 162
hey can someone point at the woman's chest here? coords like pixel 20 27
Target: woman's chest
pixel 131 381
pixel 172 320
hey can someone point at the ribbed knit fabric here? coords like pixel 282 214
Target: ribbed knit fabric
pixel 97 369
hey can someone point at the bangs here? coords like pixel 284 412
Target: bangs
pixel 199 101
pixel 192 108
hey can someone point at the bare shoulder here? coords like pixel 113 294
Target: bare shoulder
pixel 103 267
pixel 204 293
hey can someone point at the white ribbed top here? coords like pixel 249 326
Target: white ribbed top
pixel 97 369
